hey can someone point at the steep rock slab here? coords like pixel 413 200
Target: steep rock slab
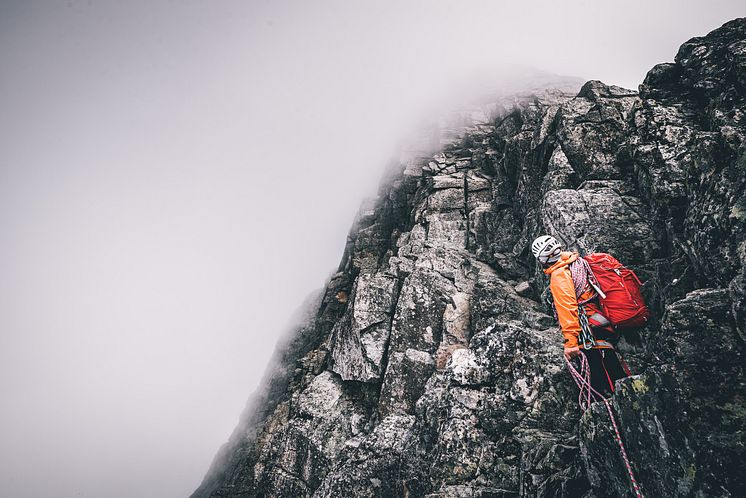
pixel 358 341
pixel 597 218
pixel 490 416
pixel 591 127
pixel 416 333
pixel 377 465
pixel 688 151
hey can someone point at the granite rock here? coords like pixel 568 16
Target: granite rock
pixel 429 366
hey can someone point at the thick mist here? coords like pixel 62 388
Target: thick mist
pixel 177 177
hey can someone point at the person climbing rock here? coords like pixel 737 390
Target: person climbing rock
pixel 575 295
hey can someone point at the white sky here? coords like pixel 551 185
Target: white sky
pixel 176 177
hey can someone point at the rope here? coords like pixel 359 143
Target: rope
pixel 586 397
pixel 579 270
pixel 584 279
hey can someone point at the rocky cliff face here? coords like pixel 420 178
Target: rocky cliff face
pixel 430 365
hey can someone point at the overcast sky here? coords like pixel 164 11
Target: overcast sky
pixel 176 177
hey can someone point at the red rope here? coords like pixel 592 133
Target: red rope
pixel 603 364
pixel 586 397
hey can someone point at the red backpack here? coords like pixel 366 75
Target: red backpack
pixel 623 303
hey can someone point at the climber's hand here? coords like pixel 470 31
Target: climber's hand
pixel 571 353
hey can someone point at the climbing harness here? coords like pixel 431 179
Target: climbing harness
pixel 608 345
pixel 587 396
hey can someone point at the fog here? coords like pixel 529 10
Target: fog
pixel 177 177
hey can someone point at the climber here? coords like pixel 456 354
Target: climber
pixel 576 302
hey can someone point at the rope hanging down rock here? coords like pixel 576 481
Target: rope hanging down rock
pixel 586 397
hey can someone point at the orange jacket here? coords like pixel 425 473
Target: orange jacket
pixel 565 300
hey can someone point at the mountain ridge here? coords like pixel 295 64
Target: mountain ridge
pixel 429 365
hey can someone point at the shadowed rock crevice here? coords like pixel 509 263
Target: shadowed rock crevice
pixel 430 366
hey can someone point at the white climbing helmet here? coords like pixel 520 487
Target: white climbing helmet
pixel 546 249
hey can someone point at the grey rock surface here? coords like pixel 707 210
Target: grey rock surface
pixel 429 366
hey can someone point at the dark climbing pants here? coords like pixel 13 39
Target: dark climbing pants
pixel 605 369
